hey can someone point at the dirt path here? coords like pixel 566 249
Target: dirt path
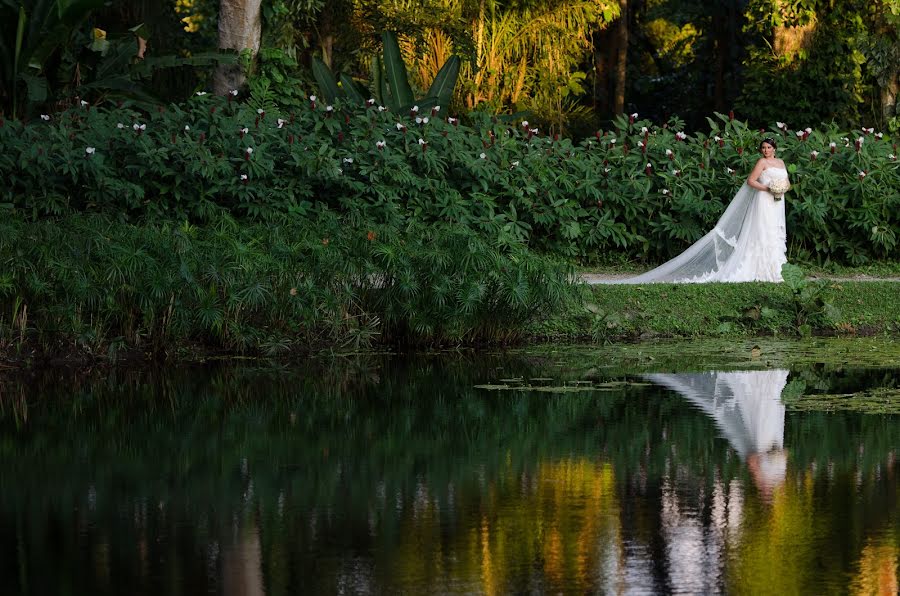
pixel 597 278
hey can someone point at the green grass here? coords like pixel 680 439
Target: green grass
pixel 627 312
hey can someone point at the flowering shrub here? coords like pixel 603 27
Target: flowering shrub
pixel 642 189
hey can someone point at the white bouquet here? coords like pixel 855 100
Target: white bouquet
pixel 778 187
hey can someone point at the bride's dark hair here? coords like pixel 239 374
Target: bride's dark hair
pixel 770 141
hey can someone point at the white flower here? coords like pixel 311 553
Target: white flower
pixel 859 140
pixel 249 150
pixel 381 108
pixel 137 126
pixel 515 164
pixel 120 125
pixel 612 141
pixel 187 128
pixel 281 122
pixel 808 130
pixel 418 120
pixel 635 115
pixel 779 124
pixel 892 157
pixel 879 135
pixel 483 156
pixel 607 170
pixel 245 130
pixel 243 176
pixel 800 133
pixel 832 144
pixel 862 174
pixel 676 172
pixel 312 98
pixel 649 165
pixel 260 111
pixel 89 150
pixel 423 142
pixel 452 120
pixel 348 160
pixel 729 170
pixel 717 138
pixel 668 152
pixel 370 101
pixel 329 108
pixel 45 117
pixel 814 154
pixel 533 131
pixel 84 103
pixel 644 129
pixel 640 143
pixel 524 123
pixel 399 126
pixel 380 144
pixel 425 120
pixel 680 136
pixel 665 191
pixel 233 92
pixel 869 130
pixel 436 109
pixel 415 109
pixel 201 93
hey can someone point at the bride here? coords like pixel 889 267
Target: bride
pixel 748 243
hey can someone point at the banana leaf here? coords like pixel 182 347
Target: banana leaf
pixel 395 72
pixel 445 81
pixel 325 79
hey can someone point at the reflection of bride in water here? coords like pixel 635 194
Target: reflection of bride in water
pixel 746 406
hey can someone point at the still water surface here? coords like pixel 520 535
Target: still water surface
pixel 439 474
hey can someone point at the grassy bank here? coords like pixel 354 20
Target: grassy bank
pixel 90 288
pixel 628 313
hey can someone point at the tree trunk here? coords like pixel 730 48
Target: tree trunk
pixel 889 98
pixel 602 42
pixel 621 58
pixel 240 28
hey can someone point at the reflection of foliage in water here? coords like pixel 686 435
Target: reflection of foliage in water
pixel 314 455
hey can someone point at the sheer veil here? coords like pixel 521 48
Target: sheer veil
pixel 706 257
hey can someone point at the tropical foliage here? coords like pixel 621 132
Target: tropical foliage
pixel 646 190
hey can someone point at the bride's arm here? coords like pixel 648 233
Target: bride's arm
pixel 754 175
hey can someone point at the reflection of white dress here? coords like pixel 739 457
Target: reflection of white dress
pixel 745 405
pixel 748 243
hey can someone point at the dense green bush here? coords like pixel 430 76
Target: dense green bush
pixel 98 285
pixel 641 189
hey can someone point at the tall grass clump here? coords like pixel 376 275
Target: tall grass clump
pixel 101 287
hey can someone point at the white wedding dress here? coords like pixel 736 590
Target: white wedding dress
pixel 748 243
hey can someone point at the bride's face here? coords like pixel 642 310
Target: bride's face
pixel 767 150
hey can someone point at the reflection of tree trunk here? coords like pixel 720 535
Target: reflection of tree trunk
pixel 240 28
pixel 621 58
pixel 242 565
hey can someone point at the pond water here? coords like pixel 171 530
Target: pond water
pixel 621 470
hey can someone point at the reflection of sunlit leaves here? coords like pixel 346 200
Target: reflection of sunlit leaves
pixel 877 570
